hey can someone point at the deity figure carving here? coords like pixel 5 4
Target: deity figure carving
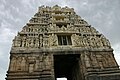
pixel 46 61
pixel 70 28
pixel 37 65
pixel 32 42
pixel 18 66
pixel 82 42
pixel 93 60
pixel 45 42
pixel 52 40
pixel 87 61
pixel 76 40
pixel 36 43
pixel 86 41
pixel 23 44
pixel 13 63
pixel 31 67
pixel 92 42
pixel 23 64
pixel 27 42
pixel 40 41
pixel 51 28
pixel 31 64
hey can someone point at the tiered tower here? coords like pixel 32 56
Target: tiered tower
pixel 58 43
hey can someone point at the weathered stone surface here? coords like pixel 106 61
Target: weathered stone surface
pixel 58 43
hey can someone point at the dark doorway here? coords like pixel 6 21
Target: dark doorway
pixel 67 66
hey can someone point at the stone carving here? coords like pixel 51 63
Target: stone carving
pixel 52 40
pixel 110 60
pixel 31 67
pixel 76 40
pixel 92 41
pixel 105 42
pixel 16 42
pixel 23 40
pixel 93 60
pixel 18 63
pixel 45 41
pixel 47 62
pixel 41 41
pixel 99 42
pixel 87 61
pixel 23 64
pixel 36 42
pixel 37 64
pixel 70 28
pixel 29 42
pixel 101 61
pixel 13 63
pixel 31 62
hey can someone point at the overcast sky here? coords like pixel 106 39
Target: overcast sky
pixel 104 15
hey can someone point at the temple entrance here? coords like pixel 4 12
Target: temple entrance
pixel 67 66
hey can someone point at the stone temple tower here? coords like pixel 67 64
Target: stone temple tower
pixel 56 43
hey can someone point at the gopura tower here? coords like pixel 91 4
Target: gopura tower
pixel 58 43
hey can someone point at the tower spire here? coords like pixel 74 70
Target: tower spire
pixel 56 42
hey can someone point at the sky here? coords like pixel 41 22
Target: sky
pixel 104 15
